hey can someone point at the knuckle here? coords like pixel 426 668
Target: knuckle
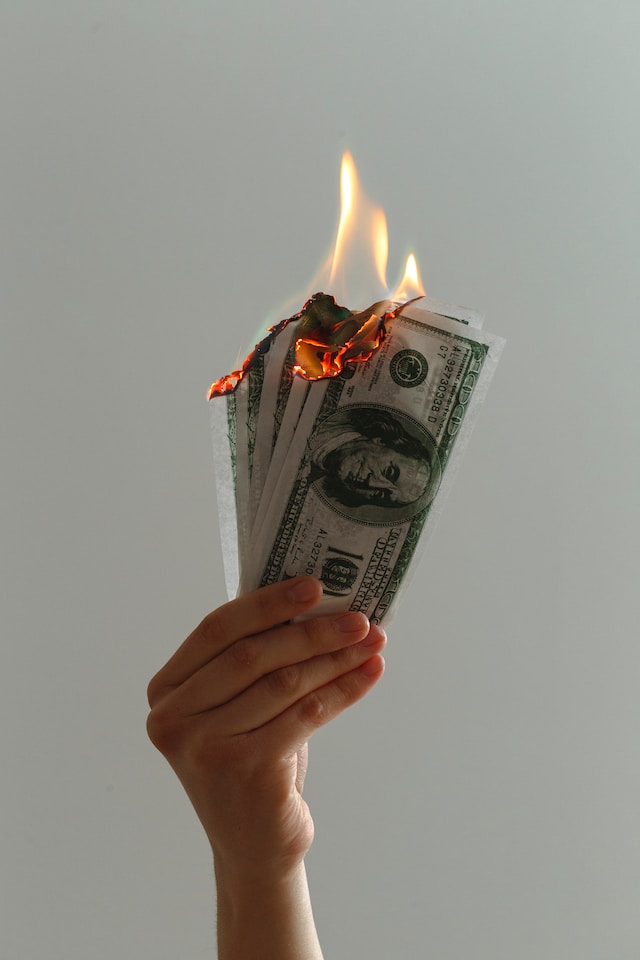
pixel 313 710
pixel 158 688
pixel 162 730
pixel 211 627
pixel 284 681
pixel 245 653
pixel 153 690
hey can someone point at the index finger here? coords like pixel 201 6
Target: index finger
pixel 252 613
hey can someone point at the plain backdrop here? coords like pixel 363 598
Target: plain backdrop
pixel 169 175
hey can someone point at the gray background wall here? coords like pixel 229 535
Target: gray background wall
pixel 169 175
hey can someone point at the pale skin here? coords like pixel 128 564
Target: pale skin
pixel 232 711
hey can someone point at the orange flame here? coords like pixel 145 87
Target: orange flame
pixel 348 185
pixel 330 336
pixel 361 246
pixel 410 287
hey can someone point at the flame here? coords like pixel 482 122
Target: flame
pixel 330 336
pixel 348 186
pixel 410 287
pixel 361 245
pixel 380 245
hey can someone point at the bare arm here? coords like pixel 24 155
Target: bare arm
pixel 232 712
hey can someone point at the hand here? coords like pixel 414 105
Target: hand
pixel 234 707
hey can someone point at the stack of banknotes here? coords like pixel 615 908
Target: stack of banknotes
pixel 333 456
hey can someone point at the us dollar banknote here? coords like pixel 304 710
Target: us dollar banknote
pixel 355 484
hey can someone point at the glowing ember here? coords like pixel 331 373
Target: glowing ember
pixel 329 338
pixel 229 383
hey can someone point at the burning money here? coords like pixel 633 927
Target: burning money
pixel 336 440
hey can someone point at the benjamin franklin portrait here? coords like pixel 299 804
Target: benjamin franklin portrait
pixel 374 464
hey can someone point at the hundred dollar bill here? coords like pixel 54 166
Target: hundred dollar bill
pixel 243 424
pixel 276 383
pixel 234 420
pixel 369 453
pixel 283 395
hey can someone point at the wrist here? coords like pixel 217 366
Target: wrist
pixel 260 855
pixel 264 913
pixel 259 875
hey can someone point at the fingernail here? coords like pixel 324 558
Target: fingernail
pixel 350 622
pixel 304 590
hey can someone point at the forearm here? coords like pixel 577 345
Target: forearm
pixel 260 918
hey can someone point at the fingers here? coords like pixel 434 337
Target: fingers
pixel 253 613
pixel 296 724
pixel 251 658
pixel 279 690
pixel 248 670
